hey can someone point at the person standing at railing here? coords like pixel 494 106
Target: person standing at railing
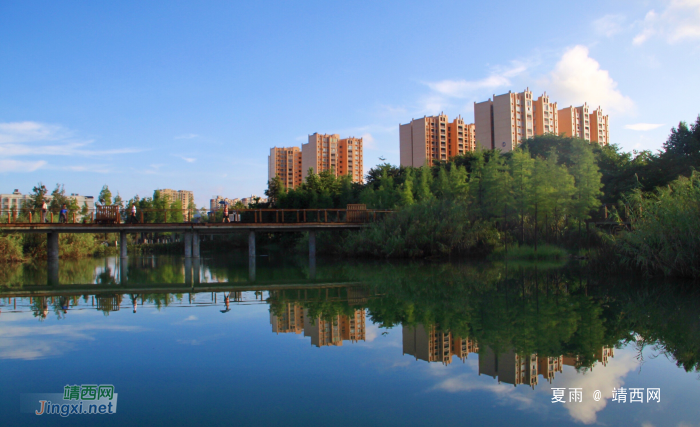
pixel 63 215
pixel 132 217
pixel 44 209
pixel 226 217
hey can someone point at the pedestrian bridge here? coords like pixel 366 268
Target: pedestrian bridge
pixel 250 221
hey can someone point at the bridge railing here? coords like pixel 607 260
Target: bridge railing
pixel 101 215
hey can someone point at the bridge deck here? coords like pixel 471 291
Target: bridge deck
pixel 203 228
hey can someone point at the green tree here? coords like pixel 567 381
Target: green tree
pixel 38 196
pixel 105 196
pixel 521 165
pixel 587 179
pixel 424 183
pixel 406 190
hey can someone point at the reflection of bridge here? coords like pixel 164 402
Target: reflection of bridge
pixel 166 288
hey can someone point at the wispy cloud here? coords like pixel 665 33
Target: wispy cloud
pixel 609 25
pixel 468 88
pixel 679 21
pixel 187 159
pixel 33 139
pixel 578 78
pixel 643 126
pixel 9 165
pixel 187 136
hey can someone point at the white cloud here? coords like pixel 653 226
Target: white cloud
pixel 187 159
pixel 468 88
pixel 643 126
pixel 190 318
pixel 20 166
pixel 600 378
pixel 40 139
pixel 187 136
pixel 609 25
pixel 578 78
pixel 680 21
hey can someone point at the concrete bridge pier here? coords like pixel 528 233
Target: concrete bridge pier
pixel 196 270
pixel 188 271
pixel 251 256
pixel 52 270
pixel 52 246
pixel 188 245
pixel 195 244
pixel 122 244
pixel 312 244
pixel 123 267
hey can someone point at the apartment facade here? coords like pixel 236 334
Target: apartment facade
pixel 504 121
pixel 183 196
pixel 575 122
pixel 600 132
pixel 285 163
pixel 332 331
pixel 431 138
pixel 546 116
pixel 350 161
pixel 328 152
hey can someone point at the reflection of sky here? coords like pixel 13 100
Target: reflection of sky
pixel 192 365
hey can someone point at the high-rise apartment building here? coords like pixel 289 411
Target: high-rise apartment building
pixel 509 367
pixel 330 153
pixel 289 320
pixel 545 114
pixel 183 196
pixel 286 164
pixel 575 122
pixel 505 121
pixel 599 127
pixel 350 159
pixel 332 331
pixel 549 366
pixel 434 138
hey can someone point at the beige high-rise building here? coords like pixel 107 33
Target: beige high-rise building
pixel 546 116
pixel 509 367
pixel 505 121
pixel 330 153
pixel 434 138
pixel 290 320
pixel 575 122
pixel 286 164
pixel 600 132
pixel 549 366
pixel 183 196
pixel 350 161
pixel 332 332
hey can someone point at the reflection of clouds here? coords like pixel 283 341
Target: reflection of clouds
pixel 600 378
pixel 506 393
pixel 371 332
pixel 38 342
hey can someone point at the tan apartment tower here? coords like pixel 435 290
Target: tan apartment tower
pixel 575 122
pixel 183 196
pixel 546 116
pixel 290 319
pixel 505 121
pixel 433 138
pixel 330 153
pixel 285 163
pixel 350 161
pixel 600 132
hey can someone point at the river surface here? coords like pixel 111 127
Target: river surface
pixel 211 342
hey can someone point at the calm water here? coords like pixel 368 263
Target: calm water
pixel 347 343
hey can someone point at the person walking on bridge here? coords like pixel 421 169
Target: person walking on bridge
pixel 63 215
pixel 226 218
pixel 44 209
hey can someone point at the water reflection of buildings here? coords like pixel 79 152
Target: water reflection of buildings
pixel 323 331
pixel 510 367
pixel 434 346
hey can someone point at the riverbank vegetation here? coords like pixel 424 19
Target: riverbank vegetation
pixel 552 190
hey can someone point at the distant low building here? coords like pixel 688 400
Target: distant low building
pixel 185 197
pixel 19 201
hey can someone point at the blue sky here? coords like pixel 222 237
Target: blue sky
pixel 192 95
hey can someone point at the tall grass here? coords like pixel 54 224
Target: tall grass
pixel 665 234
pixel 525 252
pixel 429 228
pixel 11 248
